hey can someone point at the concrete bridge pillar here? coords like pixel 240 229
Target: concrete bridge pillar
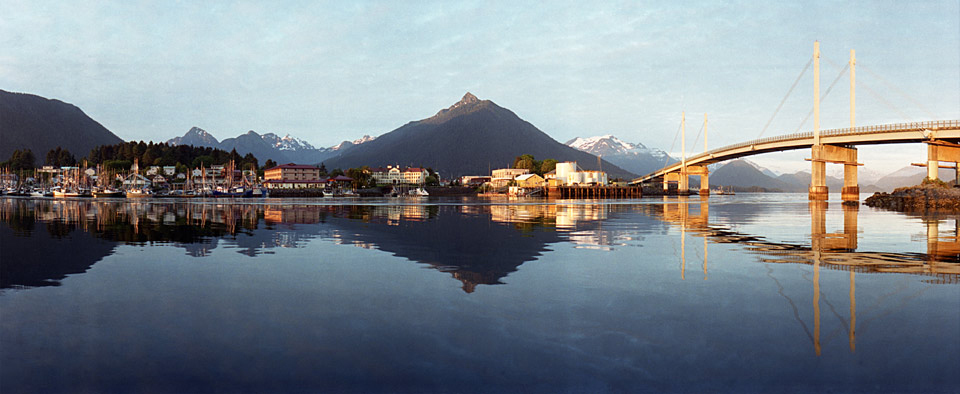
pixel 851 189
pixel 818 175
pixel 705 183
pixel 939 151
pixel 683 186
pixel 933 163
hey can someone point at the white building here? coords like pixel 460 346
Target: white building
pixel 392 175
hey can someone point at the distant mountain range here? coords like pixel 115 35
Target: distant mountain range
pixel 635 158
pixel 470 137
pixel 39 124
pixel 286 149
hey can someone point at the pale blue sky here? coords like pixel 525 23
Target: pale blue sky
pixel 333 71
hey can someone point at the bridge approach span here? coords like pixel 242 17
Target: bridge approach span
pixel 898 133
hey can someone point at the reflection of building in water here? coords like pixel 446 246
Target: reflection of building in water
pixel 292 214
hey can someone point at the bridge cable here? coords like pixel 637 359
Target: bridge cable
pixel 824 96
pixel 887 103
pixel 697 138
pixel 901 92
pixel 805 68
pixel 675 136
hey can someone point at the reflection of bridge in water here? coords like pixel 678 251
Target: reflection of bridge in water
pixel 832 250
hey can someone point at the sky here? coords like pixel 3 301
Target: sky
pixel 332 71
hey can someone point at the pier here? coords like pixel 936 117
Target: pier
pixel 597 191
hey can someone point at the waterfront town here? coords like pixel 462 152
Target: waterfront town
pixel 296 180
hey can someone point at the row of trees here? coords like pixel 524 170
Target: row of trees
pixel 161 154
pixel 25 160
pixel 120 157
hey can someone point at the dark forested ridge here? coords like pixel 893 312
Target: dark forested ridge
pixel 32 122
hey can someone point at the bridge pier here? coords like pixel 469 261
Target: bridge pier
pixel 704 174
pixel 942 151
pixel 823 154
pixel 670 177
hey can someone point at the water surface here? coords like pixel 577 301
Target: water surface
pixel 734 293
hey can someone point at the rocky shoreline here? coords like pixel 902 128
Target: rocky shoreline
pixel 920 198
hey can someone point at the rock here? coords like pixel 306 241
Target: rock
pixel 920 198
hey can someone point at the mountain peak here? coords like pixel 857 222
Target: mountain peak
pixel 469 98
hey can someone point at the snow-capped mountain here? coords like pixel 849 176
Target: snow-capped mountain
pixel 286 149
pixel 636 158
pixel 287 142
pixel 348 144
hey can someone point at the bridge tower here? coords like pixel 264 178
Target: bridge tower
pixel 823 154
pixel 684 185
pixel 704 172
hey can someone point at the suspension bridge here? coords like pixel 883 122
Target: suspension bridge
pixel 834 146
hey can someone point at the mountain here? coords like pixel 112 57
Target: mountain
pixel 196 137
pixel 742 174
pixel 286 149
pixel 472 136
pixel 635 158
pixel 40 124
pixel 909 176
pixel 286 143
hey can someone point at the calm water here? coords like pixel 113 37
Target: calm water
pixel 740 293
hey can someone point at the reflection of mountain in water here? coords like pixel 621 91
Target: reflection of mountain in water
pixel 470 247
pixel 46 257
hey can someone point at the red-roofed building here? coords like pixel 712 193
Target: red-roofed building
pixel 292 172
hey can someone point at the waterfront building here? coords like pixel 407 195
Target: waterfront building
pixel 393 175
pixel 292 172
pixel 474 180
pixel 529 180
pixel 415 176
pixel 386 176
pixel 501 177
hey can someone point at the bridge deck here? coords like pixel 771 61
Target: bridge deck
pixel 946 130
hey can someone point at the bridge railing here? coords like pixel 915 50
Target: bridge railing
pixel 910 126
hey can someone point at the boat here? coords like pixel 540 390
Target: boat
pixel 418 192
pixel 721 191
pixel 38 192
pixel 108 193
pixel 234 192
pixel 139 193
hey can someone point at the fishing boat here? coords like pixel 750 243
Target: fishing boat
pixel 720 191
pixel 139 193
pixel 419 192
pixel 108 193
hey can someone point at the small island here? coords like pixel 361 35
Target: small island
pixel 930 195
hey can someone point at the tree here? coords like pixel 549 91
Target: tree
pixel 547 166
pixel 269 164
pixel 336 172
pixel 202 161
pixel 21 160
pixel 431 181
pixel 117 165
pixel 323 170
pixel 525 162
pixel 361 176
